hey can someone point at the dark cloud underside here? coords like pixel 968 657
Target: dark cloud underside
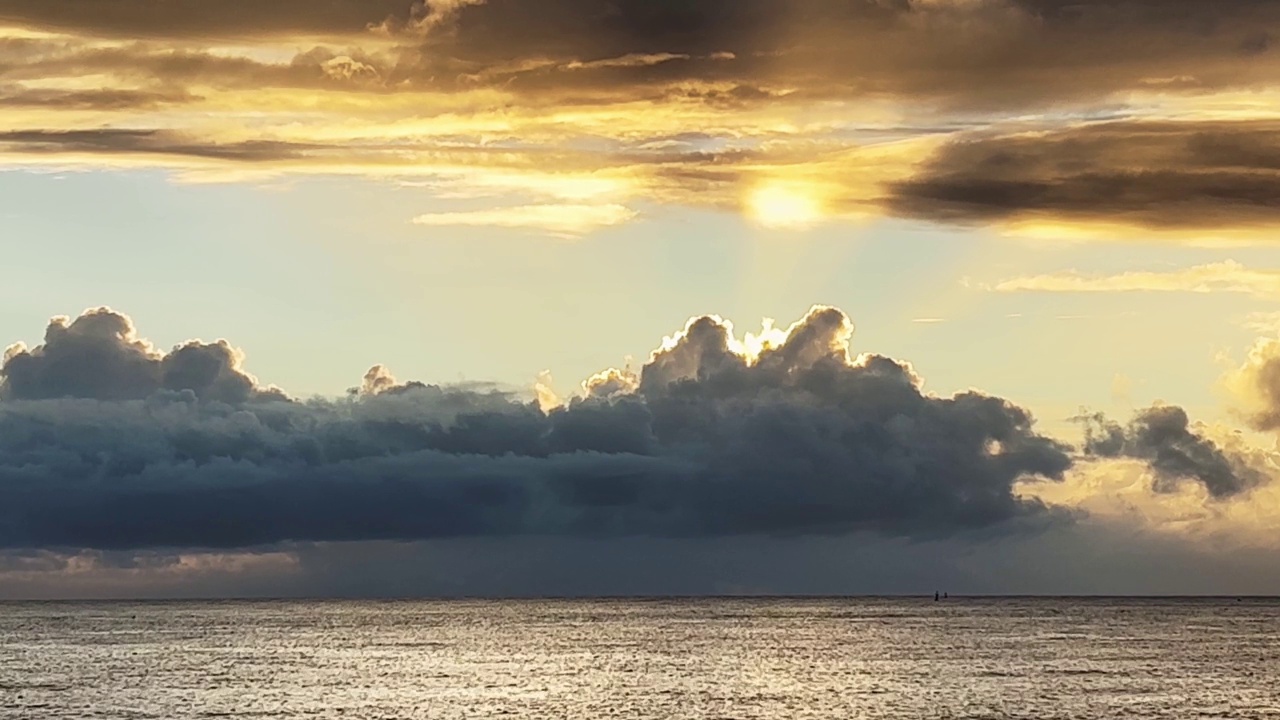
pixel 989 53
pixel 107 443
pixel 1163 437
pixel 1157 174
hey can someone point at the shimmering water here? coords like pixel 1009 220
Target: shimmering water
pixel 859 658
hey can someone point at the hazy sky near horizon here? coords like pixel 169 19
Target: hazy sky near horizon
pixel 1071 207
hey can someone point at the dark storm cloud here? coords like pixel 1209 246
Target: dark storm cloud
pixel 99 356
pixel 1157 174
pixel 1163 437
pixel 149 451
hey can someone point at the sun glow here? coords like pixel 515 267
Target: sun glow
pixel 783 206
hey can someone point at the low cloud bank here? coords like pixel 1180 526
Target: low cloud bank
pixel 108 443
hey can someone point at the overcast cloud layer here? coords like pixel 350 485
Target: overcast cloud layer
pixel 1143 117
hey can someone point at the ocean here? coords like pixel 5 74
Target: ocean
pixel 774 659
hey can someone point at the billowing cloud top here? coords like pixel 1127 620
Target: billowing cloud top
pixel 108 443
pixel 1056 114
pixel 99 356
pixel 1162 435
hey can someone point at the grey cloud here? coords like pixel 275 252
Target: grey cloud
pixel 1163 437
pixel 1158 174
pixel 99 356
pixel 138 454
pixel 1079 559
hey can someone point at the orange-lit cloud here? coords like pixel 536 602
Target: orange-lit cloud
pixel 791 112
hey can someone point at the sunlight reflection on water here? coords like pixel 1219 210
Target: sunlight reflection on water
pixel 865 658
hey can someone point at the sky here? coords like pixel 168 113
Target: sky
pixel 504 297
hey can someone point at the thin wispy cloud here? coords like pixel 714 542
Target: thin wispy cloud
pixel 566 221
pixel 1263 322
pixel 1227 276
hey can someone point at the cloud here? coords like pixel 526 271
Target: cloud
pixel 120 141
pixel 195 19
pixel 1227 276
pixel 992 53
pixel 1130 548
pixel 99 356
pixel 770 462
pixel 1153 175
pixel 791 112
pixel 1163 436
pixel 561 220
pixel 1263 322
pixel 104 99
pixel 956 53
pixel 1121 388
pixel 610 383
pixel 108 444
pixel 40 574
pixel 1256 385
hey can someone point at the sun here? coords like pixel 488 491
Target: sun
pixel 783 206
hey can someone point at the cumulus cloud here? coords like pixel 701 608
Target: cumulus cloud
pixel 610 383
pixel 106 443
pixel 99 356
pixel 772 462
pixel 1164 437
pixel 1256 385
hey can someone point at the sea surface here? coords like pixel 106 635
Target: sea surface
pixel 714 658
